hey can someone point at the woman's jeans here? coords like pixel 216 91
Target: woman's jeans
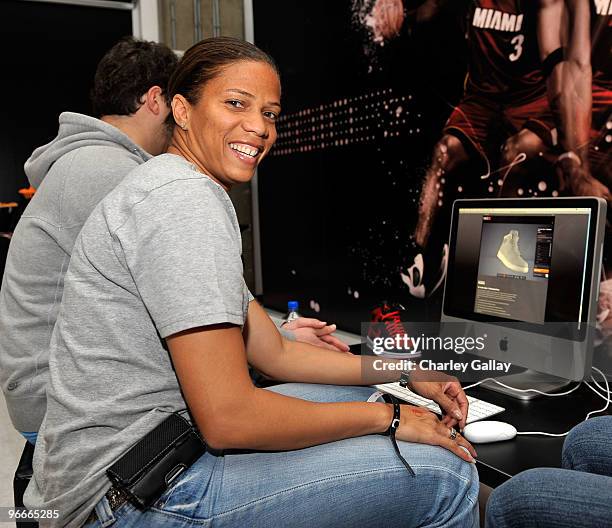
pixel 359 482
pixel 578 495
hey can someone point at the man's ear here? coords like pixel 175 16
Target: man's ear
pixel 180 110
pixel 153 100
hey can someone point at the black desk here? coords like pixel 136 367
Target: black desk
pixel 499 461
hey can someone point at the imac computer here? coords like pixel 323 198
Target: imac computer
pixel 525 273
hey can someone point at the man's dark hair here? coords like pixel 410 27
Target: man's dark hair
pixel 127 71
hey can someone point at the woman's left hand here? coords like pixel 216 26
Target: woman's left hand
pixel 445 390
pixel 315 332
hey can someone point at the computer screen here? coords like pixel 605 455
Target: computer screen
pixel 527 262
pixel 525 273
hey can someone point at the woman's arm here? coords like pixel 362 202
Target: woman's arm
pixel 231 413
pixel 315 332
pixel 285 360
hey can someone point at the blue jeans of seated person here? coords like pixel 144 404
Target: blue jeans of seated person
pixel 358 482
pixel 578 495
pixel 30 437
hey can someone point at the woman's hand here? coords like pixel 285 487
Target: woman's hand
pixel 315 332
pixel 423 427
pixel 446 391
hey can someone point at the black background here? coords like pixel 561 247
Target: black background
pixel 337 220
pixel 49 56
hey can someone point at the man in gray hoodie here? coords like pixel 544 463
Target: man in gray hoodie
pixel 72 173
pixel 86 160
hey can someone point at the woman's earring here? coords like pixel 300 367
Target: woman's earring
pixel 184 126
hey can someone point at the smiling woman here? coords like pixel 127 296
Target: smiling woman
pixel 156 318
pixel 226 111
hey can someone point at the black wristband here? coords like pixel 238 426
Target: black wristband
pixel 395 423
pixel 554 58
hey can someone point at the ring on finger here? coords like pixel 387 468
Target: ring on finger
pixel 453 434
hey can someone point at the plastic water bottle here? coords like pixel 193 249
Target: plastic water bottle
pixel 292 311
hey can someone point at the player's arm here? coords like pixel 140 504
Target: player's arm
pixel 430 9
pixel 387 16
pixel 565 23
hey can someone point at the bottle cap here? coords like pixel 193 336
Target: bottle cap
pixel 292 306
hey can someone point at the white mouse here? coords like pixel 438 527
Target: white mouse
pixel 488 431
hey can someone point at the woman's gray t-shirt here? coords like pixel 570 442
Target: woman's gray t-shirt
pixel 160 254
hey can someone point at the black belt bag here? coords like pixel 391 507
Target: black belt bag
pixel 146 470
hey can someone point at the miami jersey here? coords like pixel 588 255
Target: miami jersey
pixel 601 37
pixel 504 61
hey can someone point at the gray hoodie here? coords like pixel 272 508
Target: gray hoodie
pixel 86 160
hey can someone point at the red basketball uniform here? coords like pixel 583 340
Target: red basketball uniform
pixel 505 86
pixel 504 61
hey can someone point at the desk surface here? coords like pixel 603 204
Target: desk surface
pixel 499 461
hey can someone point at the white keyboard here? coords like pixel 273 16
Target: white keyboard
pixel 478 409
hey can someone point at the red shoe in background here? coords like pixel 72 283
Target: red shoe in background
pixel 387 322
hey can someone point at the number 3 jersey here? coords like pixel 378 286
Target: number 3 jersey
pixel 504 62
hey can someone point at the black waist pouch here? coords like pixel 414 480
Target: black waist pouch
pixel 146 470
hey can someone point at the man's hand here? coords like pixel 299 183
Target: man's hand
pixel 446 391
pixel 386 19
pixel 604 306
pixel 315 332
pixel 574 178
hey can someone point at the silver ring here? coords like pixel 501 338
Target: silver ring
pixel 453 434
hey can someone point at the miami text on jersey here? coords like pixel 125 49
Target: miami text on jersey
pixel 494 19
pixel 603 7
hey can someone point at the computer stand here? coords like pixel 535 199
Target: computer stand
pixel 528 379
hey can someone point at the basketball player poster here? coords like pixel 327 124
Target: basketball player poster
pixel 394 108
